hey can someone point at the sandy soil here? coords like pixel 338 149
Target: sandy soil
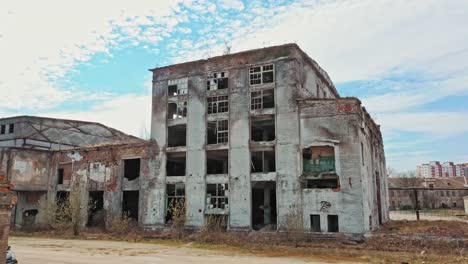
pixel 44 250
pixel 406 216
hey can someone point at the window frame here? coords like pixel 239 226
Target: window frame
pixel 217 197
pixel 213 104
pixel 256 74
pixel 213 79
pixel 181 86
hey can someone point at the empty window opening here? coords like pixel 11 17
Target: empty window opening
pixel 262 99
pixel 217 81
pixel 264 211
pixel 175 164
pixel 332 183
pixel 177 136
pixel 261 74
pixel 62 202
pixel 217 162
pixel 315 223
pixel 11 128
pixel 262 128
pixel 177 87
pixel 29 217
pixel 131 169
pixel 217 196
pixel 64 173
pixel 62 197
pixel 218 132
pixel 60 176
pixel 332 223
pixel 130 202
pixel 175 202
pixel 96 214
pixel 177 110
pixel 263 161
pixel 217 104
pixel 2 129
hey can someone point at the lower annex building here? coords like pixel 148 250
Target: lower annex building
pixel 256 137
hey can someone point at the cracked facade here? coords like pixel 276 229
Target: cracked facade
pixel 257 137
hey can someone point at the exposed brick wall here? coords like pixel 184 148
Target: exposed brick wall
pixel 6 203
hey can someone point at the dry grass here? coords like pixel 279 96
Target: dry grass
pixel 384 247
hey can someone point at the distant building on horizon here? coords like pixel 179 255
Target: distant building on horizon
pixel 436 169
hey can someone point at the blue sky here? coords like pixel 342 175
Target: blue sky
pixel 406 60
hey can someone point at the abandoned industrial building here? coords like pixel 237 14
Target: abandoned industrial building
pixel 257 138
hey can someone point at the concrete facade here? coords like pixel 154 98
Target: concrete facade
pixel 260 138
pixel 305 111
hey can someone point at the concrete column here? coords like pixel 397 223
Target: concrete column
pixel 196 157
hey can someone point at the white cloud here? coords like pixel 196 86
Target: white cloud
pixel 231 4
pixel 42 40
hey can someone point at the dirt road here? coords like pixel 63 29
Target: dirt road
pixel 43 250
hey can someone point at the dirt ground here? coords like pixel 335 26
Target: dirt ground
pixel 406 216
pixel 46 250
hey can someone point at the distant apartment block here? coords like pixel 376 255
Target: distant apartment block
pixel 436 169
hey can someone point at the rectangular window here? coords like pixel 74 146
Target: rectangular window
pixel 177 110
pixel 11 128
pixel 175 202
pixel 217 104
pixel 217 196
pixel 262 99
pixel 333 223
pixel 131 169
pixel 217 81
pixel 315 223
pixel 2 129
pixel 217 161
pixel 177 136
pixel 60 176
pixel 218 132
pixel 177 87
pixel 262 128
pixel 262 161
pixel 261 74
pixel 175 164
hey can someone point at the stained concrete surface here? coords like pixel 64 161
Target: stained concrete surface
pixel 43 250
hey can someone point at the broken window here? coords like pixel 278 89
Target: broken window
pixel 217 81
pixel 177 87
pixel 217 104
pixel 60 176
pixel 175 164
pixel 218 132
pixel 217 162
pixel 263 161
pixel 177 136
pixel 315 223
pixel 175 199
pixel 262 128
pixel 11 128
pixel 217 196
pixel 130 203
pixel 319 167
pixel 177 110
pixel 332 223
pixel 64 173
pixel 262 99
pixel 2 129
pixel 131 169
pixel 261 74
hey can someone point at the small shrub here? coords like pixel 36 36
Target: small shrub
pixel 177 213
pixel 120 224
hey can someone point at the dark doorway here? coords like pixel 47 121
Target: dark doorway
pixel 315 223
pixel 96 211
pixel 130 204
pixel 332 223
pixel 264 205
